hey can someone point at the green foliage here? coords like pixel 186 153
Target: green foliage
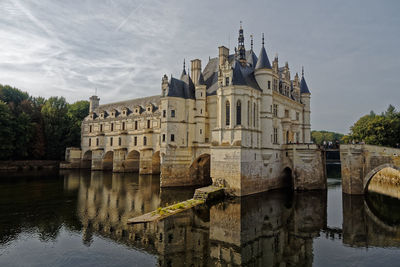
pixel 383 130
pixel 318 137
pixel 36 128
pixel 76 113
pixel 6 133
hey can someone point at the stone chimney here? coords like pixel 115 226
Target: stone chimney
pixel 223 55
pixel 94 103
pixel 196 70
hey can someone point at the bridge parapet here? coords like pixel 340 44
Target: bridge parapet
pixel 361 162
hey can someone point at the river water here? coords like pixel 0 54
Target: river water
pixel 77 218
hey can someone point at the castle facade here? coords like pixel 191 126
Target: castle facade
pixel 241 122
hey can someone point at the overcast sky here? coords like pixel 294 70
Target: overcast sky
pixel 350 49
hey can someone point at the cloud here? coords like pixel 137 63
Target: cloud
pixel 123 48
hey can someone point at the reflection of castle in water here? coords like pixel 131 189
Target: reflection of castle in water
pixel 268 229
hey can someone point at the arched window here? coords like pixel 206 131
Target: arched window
pixel 238 113
pixel 227 113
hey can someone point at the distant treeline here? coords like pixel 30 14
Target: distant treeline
pixel 373 129
pixel 38 128
pixel 318 137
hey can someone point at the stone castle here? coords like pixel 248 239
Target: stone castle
pixel 241 122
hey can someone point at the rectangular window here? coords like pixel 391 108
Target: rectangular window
pixel 164 113
pixel 112 127
pixel 144 141
pixel 172 138
pixel 275 135
pixel 227 81
pixel 163 137
pixel 90 128
pixel 111 141
pixel 135 141
pixel 119 141
pixel 136 125
pixel 148 124
pixel 101 127
pixel 275 110
pixel 286 113
pixel 173 113
pixel 123 125
pixel 97 141
pixel 90 142
pixel 269 84
pixel 201 131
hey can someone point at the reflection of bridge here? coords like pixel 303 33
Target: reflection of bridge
pixel 361 162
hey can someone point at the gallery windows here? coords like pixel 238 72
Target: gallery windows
pixel 238 113
pixel 227 113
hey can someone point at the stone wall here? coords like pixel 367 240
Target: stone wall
pixel 361 162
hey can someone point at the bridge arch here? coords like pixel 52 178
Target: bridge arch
pixel 108 160
pixel 287 177
pixel 370 175
pixel 87 160
pixel 200 169
pixel 132 161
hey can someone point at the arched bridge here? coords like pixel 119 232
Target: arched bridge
pixel 361 162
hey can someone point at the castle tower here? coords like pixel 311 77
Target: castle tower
pixel 305 97
pixel 264 77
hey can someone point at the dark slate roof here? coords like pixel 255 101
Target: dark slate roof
pixel 130 104
pixel 245 77
pixel 181 88
pixel 303 86
pixel 201 79
pixel 251 58
pixel 210 73
pixel 263 61
pixel 238 78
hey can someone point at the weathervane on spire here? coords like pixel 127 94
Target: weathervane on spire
pixel 262 39
pixel 184 64
pixel 240 24
pixel 251 43
pixel 302 71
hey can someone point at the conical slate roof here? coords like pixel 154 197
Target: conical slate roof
pixel 263 61
pixel 303 86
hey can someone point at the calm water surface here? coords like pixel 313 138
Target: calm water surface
pixel 79 219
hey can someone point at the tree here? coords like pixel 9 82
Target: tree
pixel 56 126
pixel 6 132
pixel 76 113
pixel 319 137
pixel 375 129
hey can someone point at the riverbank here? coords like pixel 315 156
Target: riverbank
pixel 28 165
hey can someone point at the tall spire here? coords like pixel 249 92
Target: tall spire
pixel 184 69
pixel 303 85
pixel 263 61
pixel 263 39
pixel 242 50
